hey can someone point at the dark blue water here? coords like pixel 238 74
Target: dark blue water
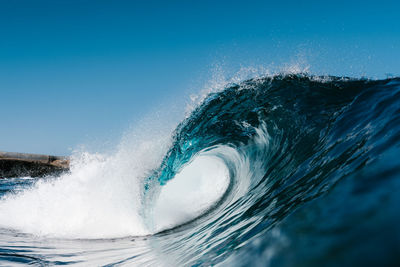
pixel 314 168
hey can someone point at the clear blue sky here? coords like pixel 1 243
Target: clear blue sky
pixel 76 72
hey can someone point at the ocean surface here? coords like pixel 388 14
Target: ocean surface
pixel 284 170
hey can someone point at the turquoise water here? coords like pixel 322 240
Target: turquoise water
pixel 288 170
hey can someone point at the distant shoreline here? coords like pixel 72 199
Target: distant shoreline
pixel 33 165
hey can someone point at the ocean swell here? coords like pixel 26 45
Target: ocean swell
pixel 238 179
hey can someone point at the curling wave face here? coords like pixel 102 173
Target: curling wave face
pixel 258 173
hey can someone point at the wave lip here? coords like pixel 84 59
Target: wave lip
pixel 299 135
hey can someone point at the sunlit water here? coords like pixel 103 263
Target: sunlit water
pixel 289 170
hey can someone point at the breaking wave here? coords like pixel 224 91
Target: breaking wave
pixel 258 172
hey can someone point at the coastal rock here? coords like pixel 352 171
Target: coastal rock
pixel 33 165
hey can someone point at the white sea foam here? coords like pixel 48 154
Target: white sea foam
pixel 192 192
pixel 102 196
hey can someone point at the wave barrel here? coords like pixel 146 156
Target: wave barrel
pixel 33 165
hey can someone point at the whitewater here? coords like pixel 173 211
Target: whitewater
pixel 281 170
